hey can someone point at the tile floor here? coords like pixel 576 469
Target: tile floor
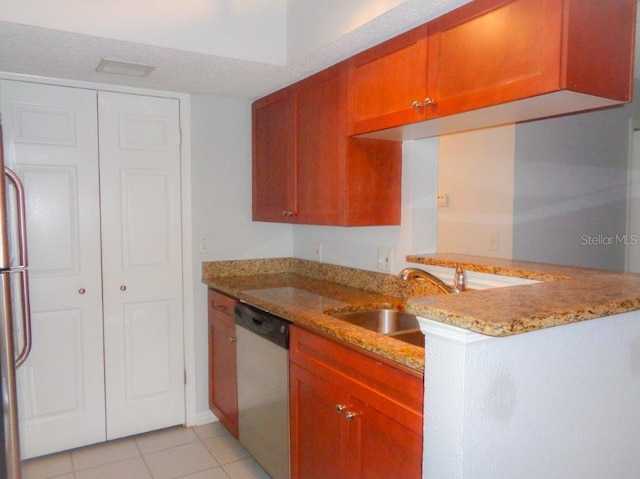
pixel 203 452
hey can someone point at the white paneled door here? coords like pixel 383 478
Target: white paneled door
pixel 51 141
pixel 102 181
pixel 141 261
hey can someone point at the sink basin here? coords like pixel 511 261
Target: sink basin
pixel 397 324
pixel 385 321
pixel 415 337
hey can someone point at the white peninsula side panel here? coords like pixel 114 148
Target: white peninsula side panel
pixel 562 402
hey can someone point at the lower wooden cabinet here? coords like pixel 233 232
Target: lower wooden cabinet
pixel 223 383
pixel 352 416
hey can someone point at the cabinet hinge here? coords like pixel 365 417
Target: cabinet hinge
pixel 185 376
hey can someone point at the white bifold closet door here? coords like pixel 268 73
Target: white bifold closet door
pixel 102 182
pixel 51 141
pixel 141 262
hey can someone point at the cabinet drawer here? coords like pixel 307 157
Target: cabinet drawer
pixel 331 360
pixel 221 303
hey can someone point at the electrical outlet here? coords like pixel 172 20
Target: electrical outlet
pixel 385 259
pixel 492 241
pixel 318 251
pixel 203 244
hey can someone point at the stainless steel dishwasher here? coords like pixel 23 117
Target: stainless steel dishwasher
pixel 262 352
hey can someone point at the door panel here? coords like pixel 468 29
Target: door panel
pixel 51 141
pixel 142 273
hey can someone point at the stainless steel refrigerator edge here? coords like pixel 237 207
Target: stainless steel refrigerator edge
pixel 13 271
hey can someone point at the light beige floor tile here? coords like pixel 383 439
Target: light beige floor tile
pixel 226 449
pixel 165 439
pixel 134 468
pixel 213 429
pixel 105 453
pixel 66 476
pixel 215 473
pixel 47 466
pixel 180 461
pixel 245 469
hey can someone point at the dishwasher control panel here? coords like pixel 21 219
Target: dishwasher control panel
pixel 266 325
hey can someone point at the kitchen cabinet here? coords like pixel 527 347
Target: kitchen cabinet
pixel 496 51
pixel 388 83
pixel 305 168
pixel 492 62
pixel 101 174
pixel 352 415
pixel 223 383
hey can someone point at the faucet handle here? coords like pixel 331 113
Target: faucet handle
pixel 459 280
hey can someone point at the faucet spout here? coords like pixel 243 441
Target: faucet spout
pixel 459 279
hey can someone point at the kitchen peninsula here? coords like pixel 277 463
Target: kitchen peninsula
pixel 554 402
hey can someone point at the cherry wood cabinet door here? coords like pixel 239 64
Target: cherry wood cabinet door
pixel 353 416
pixel 223 382
pixel 490 52
pixel 388 83
pixel 318 430
pixel 381 447
pixel 274 158
pixel 321 149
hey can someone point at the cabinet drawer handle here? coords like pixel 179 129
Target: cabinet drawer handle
pixel 233 340
pixel 287 213
pixel 82 291
pixel 123 287
pixel 340 408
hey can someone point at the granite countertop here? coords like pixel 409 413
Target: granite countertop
pixel 306 292
pixel 564 295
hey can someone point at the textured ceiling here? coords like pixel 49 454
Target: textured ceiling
pixel 44 52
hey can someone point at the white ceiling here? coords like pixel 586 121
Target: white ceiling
pixel 34 50
pixel 47 52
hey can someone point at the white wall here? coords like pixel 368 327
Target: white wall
pixel 221 206
pixel 476 173
pixel 313 24
pixel 556 403
pixel 358 247
pixel 571 186
pixel 253 30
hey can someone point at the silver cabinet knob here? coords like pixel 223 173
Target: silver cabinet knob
pixel 429 101
pixel 350 415
pixel 233 340
pixel 82 291
pixel 340 408
pixel 123 287
pixel 416 104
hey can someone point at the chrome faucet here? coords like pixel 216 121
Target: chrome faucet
pixel 459 279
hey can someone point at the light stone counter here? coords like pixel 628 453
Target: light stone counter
pixel 306 292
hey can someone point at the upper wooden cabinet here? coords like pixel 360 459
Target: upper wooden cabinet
pixel 492 62
pixel 274 157
pixel 491 52
pixel 388 83
pixel 307 170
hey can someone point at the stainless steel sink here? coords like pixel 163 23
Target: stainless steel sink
pixel 397 324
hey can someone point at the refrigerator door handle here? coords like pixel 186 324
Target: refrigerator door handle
pixel 21 267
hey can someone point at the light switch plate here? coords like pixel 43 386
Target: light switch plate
pixel 385 259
